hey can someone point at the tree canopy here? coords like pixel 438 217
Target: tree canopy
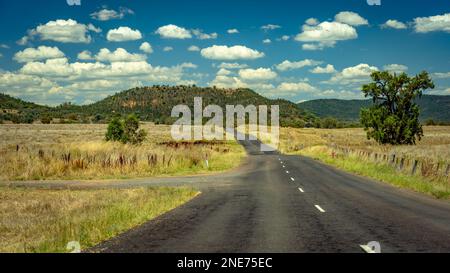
pixel 394 116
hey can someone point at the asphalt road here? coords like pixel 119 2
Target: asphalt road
pixel 278 203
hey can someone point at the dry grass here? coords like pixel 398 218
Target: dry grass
pixel 350 150
pixel 33 220
pixel 434 146
pixel 76 151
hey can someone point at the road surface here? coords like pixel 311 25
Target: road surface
pixel 281 203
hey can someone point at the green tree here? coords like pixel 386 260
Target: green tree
pixel 115 130
pixel 394 116
pixel 46 119
pixel 132 134
pixel 126 131
pixel 329 123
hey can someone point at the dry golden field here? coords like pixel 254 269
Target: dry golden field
pixel 435 145
pixel 78 151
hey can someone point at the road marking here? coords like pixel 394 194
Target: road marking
pixel 367 249
pixel 319 208
pixel 372 247
pixel 287 171
pixel 284 166
pixel 292 179
pixel 300 189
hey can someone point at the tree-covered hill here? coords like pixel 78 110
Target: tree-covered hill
pixel 155 104
pixel 432 107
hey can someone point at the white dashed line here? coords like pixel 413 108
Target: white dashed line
pixel 287 171
pixel 300 189
pixel 284 166
pixel 319 208
pixel 292 179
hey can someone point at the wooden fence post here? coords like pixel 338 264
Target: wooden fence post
pixel 393 159
pixel 402 161
pixel 447 170
pixel 414 166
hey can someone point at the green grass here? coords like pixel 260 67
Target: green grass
pixel 42 220
pixel 437 187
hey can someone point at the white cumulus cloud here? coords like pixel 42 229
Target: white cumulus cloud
pixel 296 87
pixel 204 36
pixel 146 47
pixel 432 23
pixel 37 54
pixel 328 69
pixel 119 55
pixel 173 32
pixel 257 74
pixel 350 18
pixel 270 27
pixel 222 52
pixel 325 34
pixel 122 34
pixel 288 65
pixel 232 31
pixel 64 31
pixel 193 48
pixel 353 75
pixel 397 68
pixel 391 23
pixel 85 55
pixel 109 14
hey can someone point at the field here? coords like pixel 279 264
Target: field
pixel 423 167
pixel 78 151
pixel 42 220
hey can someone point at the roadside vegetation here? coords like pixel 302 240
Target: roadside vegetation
pixel 44 220
pixel 393 147
pixel 77 151
pixel 350 150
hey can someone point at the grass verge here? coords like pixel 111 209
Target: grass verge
pixel 43 220
pixel 437 187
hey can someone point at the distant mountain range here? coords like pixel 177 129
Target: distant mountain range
pixel 155 104
pixel 432 107
pixel 150 104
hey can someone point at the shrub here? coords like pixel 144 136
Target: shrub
pixel 126 131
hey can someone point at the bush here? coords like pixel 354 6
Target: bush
pixel 126 131
pixel 115 130
pixel 46 119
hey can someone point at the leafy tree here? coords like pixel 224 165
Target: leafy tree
pixel 329 123
pixel 132 134
pixel 46 119
pixel 115 130
pixel 394 117
pixel 126 131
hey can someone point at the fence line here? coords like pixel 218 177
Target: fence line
pixel 401 163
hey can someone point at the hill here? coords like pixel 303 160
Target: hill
pixel 432 107
pixel 19 111
pixel 155 104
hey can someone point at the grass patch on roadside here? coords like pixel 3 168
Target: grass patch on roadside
pixel 43 220
pixel 79 151
pixel 437 187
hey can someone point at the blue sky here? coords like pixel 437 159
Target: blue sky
pixel 297 50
